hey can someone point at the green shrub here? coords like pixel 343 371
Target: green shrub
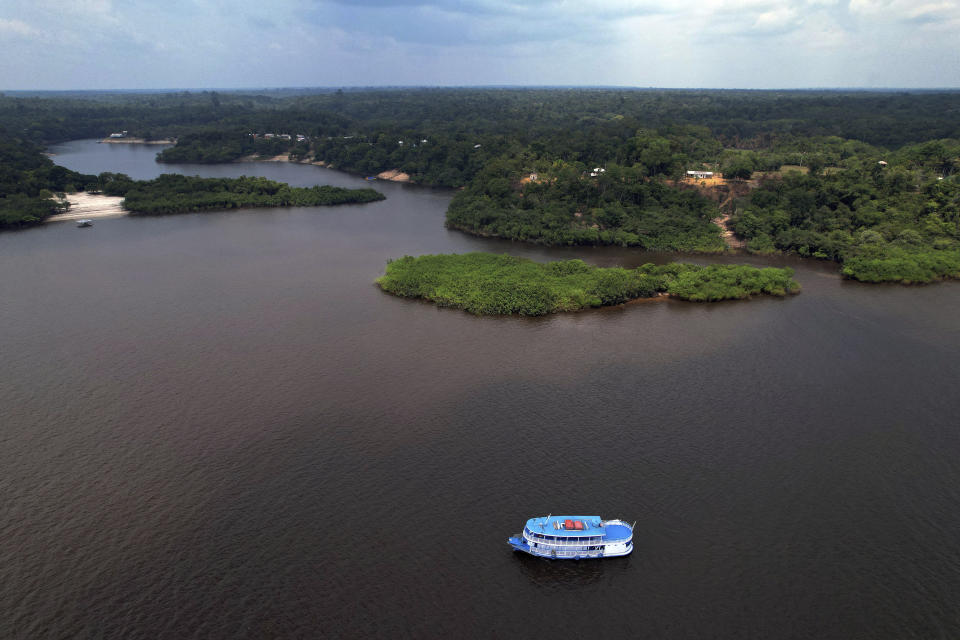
pixel 489 284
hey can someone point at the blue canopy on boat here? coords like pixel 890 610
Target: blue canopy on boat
pixel 556 526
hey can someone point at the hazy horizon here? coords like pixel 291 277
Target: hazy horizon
pixel 739 44
pixel 358 88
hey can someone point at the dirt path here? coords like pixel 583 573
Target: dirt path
pixel 728 236
pixel 724 193
pixel 89 205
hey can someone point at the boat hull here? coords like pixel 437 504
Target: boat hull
pixel 622 550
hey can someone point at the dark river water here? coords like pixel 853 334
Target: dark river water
pixel 216 426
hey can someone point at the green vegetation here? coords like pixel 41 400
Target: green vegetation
pixel 866 179
pixel 886 217
pixel 174 193
pixel 569 203
pixel 211 147
pixel 489 284
pixel 28 182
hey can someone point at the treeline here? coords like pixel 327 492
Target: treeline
pixel 361 131
pixel 667 131
pixel 889 119
pixel 29 181
pixel 52 117
pixel 489 284
pixel 885 217
pixel 569 203
pixel 211 147
pixel 868 179
pixel 174 193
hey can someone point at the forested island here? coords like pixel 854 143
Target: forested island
pixel 868 179
pixel 490 284
pixel 174 193
pixel 30 182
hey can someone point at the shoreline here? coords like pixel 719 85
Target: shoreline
pixel 136 141
pixel 90 205
pixel 727 250
pixel 392 175
pixel 283 157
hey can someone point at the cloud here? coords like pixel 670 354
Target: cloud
pixel 222 43
pixel 777 20
pixel 16 27
pixel 494 22
pixel 906 10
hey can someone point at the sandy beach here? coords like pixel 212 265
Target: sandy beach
pixel 90 205
pixel 136 141
pixel 394 175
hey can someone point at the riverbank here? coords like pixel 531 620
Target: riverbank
pixel 393 175
pixel 90 205
pixel 137 141
pixel 283 157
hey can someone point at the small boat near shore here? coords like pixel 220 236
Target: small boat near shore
pixel 574 537
pixel 86 222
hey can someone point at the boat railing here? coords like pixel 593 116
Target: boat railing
pixel 580 543
pixel 585 548
pixel 564 553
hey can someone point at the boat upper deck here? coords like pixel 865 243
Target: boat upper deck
pixel 568 526
pixel 618 531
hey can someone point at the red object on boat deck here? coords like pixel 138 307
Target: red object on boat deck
pixel 578 525
pixel 568 524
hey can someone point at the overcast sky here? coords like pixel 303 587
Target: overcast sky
pixel 141 44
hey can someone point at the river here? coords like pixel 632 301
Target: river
pixel 216 426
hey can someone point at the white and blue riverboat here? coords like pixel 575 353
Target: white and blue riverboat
pixel 574 537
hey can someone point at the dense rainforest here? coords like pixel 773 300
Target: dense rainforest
pixel 489 284
pixel 868 179
pixel 566 203
pixel 211 147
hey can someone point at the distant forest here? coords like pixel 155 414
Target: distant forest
pixel 868 179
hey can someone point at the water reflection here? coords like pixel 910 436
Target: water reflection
pixel 570 574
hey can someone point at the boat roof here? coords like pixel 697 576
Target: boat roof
pixel 554 526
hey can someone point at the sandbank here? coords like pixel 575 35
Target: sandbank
pixel 136 141
pixel 394 175
pixel 90 205
pixel 283 157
